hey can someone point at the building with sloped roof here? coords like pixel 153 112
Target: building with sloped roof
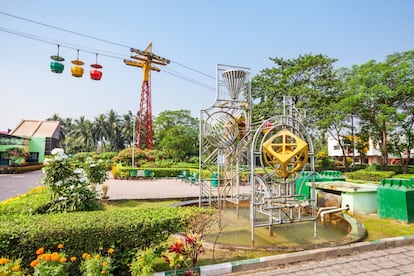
pixel 36 138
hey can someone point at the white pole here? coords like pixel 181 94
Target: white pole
pixel 133 143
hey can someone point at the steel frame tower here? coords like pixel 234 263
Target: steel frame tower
pixel 146 59
pixel 272 154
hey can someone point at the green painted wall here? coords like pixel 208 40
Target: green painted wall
pixel 37 144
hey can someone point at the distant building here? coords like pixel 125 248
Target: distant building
pixel 37 138
pixel 372 154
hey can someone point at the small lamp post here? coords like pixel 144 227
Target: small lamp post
pixel 133 143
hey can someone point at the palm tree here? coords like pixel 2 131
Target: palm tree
pixel 100 130
pixel 128 128
pixel 114 135
pixel 83 135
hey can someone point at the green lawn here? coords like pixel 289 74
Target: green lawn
pixel 379 228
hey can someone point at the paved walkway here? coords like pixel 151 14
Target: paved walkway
pixel 395 260
pixel 14 184
pixel 393 256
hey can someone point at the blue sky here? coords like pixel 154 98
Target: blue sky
pixel 196 34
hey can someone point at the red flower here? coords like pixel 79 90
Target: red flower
pixel 176 247
pixel 190 239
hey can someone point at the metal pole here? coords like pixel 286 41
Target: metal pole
pixel 133 144
pixel 353 140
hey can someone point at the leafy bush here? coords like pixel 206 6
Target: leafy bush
pixel 27 167
pixel 69 186
pixel 82 156
pixel 407 176
pixel 26 204
pixel 11 267
pixel 95 170
pixel 126 230
pixel 370 175
pixel 97 263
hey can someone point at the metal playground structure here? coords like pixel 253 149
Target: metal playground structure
pixel 268 155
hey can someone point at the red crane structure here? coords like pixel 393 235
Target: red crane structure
pixel 145 60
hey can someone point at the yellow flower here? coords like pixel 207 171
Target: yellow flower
pixel 61 246
pixel 111 250
pixel 103 272
pixel 97 256
pixel 40 251
pixel 105 264
pixel 3 261
pixel 73 259
pixel 16 268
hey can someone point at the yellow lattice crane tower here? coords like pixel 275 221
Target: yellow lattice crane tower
pixel 145 60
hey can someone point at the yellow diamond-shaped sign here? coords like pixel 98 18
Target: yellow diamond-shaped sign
pixel 285 153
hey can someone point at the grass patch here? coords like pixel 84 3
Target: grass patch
pixel 363 181
pixel 138 204
pixel 380 228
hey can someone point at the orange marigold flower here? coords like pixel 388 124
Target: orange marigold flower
pixel 34 263
pixel 105 264
pixel 16 268
pixel 61 246
pixel 111 250
pixel 55 256
pixel 63 260
pixel 3 261
pixel 73 259
pixel 86 256
pixel 40 251
pixel 45 257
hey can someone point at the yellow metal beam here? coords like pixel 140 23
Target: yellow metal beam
pixel 146 59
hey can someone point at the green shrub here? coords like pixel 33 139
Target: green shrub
pixel 126 230
pixel 407 176
pixel 369 175
pixel 27 203
pixel 69 185
pixel 27 167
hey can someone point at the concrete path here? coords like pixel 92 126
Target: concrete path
pixel 15 184
pixel 393 256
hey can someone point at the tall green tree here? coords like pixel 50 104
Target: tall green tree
pixel 115 136
pixel 83 139
pixel 306 80
pixel 383 92
pixel 335 115
pixel 176 134
pixel 128 128
pixel 402 135
pixel 101 130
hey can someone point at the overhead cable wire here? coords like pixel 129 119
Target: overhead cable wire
pixel 94 51
pixel 192 69
pixel 188 79
pixel 62 44
pixel 95 38
pixel 64 30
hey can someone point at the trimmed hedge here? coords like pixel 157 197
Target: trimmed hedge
pixel 26 204
pixel 365 175
pixel 157 172
pixel 126 230
pixel 20 169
